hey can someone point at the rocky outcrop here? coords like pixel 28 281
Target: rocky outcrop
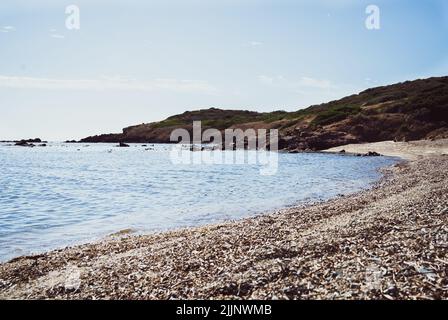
pixel 372 154
pixel 23 143
pixel 123 145
pixel 29 142
pixel 35 140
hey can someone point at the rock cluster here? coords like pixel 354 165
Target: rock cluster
pixel 30 142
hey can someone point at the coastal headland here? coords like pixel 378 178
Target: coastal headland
pixel 407 111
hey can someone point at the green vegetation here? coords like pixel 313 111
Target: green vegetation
pixel 170 122
pixel 335 114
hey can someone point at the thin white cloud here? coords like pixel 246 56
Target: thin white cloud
pixel 57 36
pixel 303 82
pixel 266 80
pixel 54 34
pixel 108 83
pixel 7 29
pixel 255 43
pixel 314 83
pixel 308 90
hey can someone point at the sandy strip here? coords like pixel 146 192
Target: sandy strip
pixel 390 242
pixel 407 150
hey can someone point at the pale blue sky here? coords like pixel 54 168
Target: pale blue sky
pixel 141 61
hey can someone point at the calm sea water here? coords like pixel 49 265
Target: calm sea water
pixel 67 194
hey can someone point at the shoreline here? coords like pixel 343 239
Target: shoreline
pixel 298 252
pixel 411 150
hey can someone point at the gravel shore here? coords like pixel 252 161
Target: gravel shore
pixel 390 242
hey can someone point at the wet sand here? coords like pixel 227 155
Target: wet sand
pixel 390 242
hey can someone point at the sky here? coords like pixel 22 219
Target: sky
pixel 134 62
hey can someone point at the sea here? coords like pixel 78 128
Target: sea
pixel 66 194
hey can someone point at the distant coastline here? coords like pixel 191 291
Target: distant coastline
pixel 407 111
pixel 412 110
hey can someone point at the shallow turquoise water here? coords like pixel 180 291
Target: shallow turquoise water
pixel 66 194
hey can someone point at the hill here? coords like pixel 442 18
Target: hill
pixel 411 110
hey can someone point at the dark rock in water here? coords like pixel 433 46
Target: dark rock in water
pixel 70 141
pixel 43 145
pixel 21 143
pixel 342 151
pixel 123 145
pixel 372 154
pixel 358 155
pixel 24 143
pixel 28 142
